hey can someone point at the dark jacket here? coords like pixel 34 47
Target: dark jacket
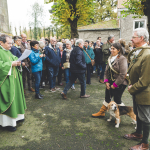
pixel 77 60
pixel 106 51
pixel 98 56
pixel 64 46
pixel 63 60
pixel 53 59
pixel 24 46
pixel 14 50
pixel 95 44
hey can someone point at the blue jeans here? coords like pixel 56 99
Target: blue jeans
pixel 99 69
pixel 74 76
pixel 94 68
pixel 53 72
pixel 37 76
pixel 67 75
pixel 103 70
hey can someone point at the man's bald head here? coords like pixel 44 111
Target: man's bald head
pixel 53 41
pixel 24 37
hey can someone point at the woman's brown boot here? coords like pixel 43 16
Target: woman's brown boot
pixel 102 111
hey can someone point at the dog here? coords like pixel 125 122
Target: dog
pixel 116 111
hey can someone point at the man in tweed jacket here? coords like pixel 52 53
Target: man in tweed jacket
pixel 139 87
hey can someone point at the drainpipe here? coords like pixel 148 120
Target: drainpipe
pixel 119 16
pixel 120 25
pixel 120 33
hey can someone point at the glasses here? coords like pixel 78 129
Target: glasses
pixel 133 37
pixel 10 43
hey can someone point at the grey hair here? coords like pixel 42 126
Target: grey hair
pixel 110 37
pixel 16 38
pixel 68 42
pixel 78 42
pixel 58 44
pixel 41 44
pixel 3 38
pixel 142 32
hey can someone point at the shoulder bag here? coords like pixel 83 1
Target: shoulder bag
pixel 92 61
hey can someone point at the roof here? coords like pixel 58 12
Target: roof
pixel 120 2
pixel 111 24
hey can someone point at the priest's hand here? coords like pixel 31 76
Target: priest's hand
pixel 16 63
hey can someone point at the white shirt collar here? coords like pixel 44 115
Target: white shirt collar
pixel 139 50
pixel 113 58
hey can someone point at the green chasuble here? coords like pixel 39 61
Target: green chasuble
pixel 12 100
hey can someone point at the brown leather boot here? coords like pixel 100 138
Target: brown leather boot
pixel 31 89
pixel 63 95
pixel 140 146
pixel 101 81
pixel 133 136
pixel 101 113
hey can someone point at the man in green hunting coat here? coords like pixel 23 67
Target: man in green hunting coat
pixel 139 87
pixel 12 100
pixel 106 54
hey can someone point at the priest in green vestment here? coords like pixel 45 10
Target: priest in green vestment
pixel 12 100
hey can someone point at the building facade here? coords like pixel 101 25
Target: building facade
pixel 128 24
pixel 125 28
pixel 4 21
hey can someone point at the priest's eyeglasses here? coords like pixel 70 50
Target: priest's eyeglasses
pixel 133 37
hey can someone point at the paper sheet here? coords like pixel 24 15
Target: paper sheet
pixel 25 54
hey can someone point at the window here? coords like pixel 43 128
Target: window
pixel 139 24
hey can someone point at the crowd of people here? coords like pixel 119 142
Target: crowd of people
pixel 76 59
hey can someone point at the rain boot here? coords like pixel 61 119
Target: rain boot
pixel 102 111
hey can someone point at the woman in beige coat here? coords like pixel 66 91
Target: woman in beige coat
pixel 114 78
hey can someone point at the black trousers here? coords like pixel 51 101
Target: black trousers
pixel 116 93
pixel 88 76
pixel 43 79
pixel 27 75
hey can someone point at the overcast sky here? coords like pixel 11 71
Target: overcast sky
pixel 18 11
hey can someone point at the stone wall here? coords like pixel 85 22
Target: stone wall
pixel 92 35
pixel 4 22
pixel 125 31
pixel 127 26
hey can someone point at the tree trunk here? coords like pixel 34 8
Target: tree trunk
pixel 74 29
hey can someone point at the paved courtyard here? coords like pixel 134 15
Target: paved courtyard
pixel 57 124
